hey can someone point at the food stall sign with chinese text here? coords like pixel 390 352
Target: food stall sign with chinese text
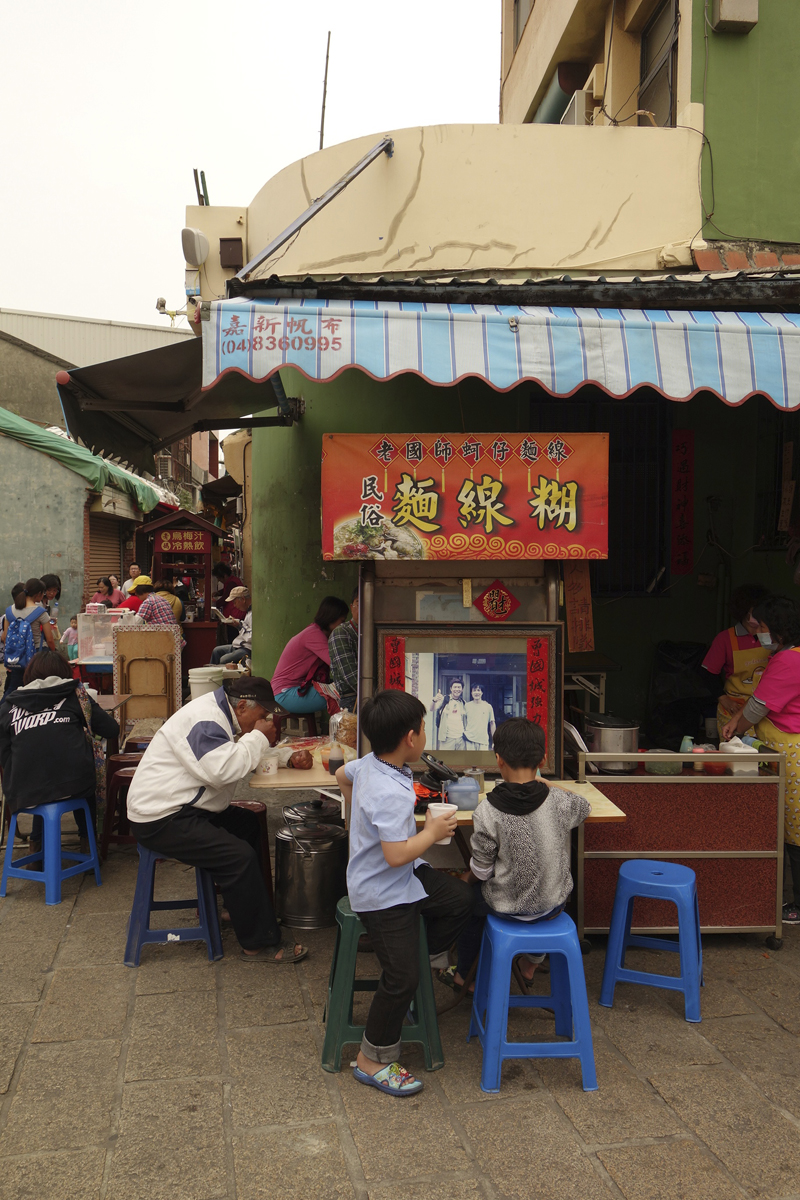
pixel 463 496
pixel 183 541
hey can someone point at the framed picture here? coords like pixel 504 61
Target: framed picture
pixel 471 679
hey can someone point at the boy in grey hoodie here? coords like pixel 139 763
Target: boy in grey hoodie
pixel 520 864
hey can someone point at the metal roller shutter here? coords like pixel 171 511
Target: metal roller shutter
pixel 105 551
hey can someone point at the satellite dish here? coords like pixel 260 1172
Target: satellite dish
pixel 195 246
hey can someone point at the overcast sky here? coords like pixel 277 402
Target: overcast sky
pixel 106 108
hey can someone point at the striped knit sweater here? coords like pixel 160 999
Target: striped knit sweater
pixel 529 856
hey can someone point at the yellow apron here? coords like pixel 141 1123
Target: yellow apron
pixel 748 667
pixel 788 744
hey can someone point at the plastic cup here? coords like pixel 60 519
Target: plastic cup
pixel 438 808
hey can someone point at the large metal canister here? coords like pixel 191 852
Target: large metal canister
pixel 606 733
pixel 310 874
pixel 329 812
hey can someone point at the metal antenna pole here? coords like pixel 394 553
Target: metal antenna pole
pixel 324 93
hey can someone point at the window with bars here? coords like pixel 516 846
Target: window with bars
pixel 659 60
pixel 638 482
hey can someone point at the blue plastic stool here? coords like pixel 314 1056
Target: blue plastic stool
pixel 139 931
pixel 51 854
pixel 656 881
pixel 503 939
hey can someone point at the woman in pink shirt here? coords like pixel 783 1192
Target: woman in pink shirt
pixel 306 654
pixel 774 710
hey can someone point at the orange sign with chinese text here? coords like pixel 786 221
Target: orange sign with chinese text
pixel 464 496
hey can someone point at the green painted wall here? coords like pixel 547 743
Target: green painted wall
pixel 752 120
pixel 289 576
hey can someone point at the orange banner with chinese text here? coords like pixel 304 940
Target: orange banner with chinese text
pixel 463 496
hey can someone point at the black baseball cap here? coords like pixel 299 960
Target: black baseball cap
pixel 254 687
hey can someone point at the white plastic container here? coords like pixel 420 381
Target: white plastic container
pixel 749 757
pixel 203 680
pixel 94 632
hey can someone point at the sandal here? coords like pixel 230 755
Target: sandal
pixel 448 978
pixel 394 1080
pixel 267 954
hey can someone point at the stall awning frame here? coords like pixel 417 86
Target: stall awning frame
pixel 678 353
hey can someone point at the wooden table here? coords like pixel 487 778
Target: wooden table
pixel 113 700
pixel 602 810
pixel 109 703
pixel 288 777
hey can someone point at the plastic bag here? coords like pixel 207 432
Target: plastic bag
pixel 344 728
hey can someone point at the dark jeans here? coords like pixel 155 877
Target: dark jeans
pixel 395 939
pixel 14 677
pixel 37 828
pixel 794 862
pixel 225 844
pixel 469 944
pixel 223 654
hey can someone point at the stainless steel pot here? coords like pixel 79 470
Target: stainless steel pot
pixel 329 812
pixel 607 734
pixel 310 874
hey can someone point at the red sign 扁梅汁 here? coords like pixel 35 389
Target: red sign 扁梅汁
pixel 465 496
pixel 183 541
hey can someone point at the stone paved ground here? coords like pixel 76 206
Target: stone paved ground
pixel 188 1081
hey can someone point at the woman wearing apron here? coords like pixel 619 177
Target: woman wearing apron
pixel 739 653
pixel 774 710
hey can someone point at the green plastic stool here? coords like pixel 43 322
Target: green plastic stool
pixel 339 1028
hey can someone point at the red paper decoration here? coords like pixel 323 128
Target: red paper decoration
pixel 496 603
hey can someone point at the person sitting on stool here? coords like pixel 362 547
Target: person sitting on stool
pixel 179 804
pixel 241 645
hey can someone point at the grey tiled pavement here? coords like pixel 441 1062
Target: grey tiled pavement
pixel 184 1080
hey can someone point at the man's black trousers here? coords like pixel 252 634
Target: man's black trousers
pixel 225 844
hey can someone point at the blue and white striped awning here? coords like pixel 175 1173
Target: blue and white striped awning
pixel 734 355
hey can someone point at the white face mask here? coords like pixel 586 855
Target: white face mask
pixel 765 638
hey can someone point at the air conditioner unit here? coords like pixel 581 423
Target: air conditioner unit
pixel 164 465
pixel 580 109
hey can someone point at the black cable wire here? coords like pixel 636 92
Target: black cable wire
pixel 668 38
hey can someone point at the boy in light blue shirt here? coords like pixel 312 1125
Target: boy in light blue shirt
pixel 389 885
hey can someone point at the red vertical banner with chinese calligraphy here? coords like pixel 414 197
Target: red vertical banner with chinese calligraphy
pixel 578 603
pixel 537 682
pixel 682 556
pixel 395 663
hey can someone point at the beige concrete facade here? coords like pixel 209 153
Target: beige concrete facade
pixel 503 201
pixel 216 221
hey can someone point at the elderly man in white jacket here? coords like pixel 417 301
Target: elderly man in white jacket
pixel 179 804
